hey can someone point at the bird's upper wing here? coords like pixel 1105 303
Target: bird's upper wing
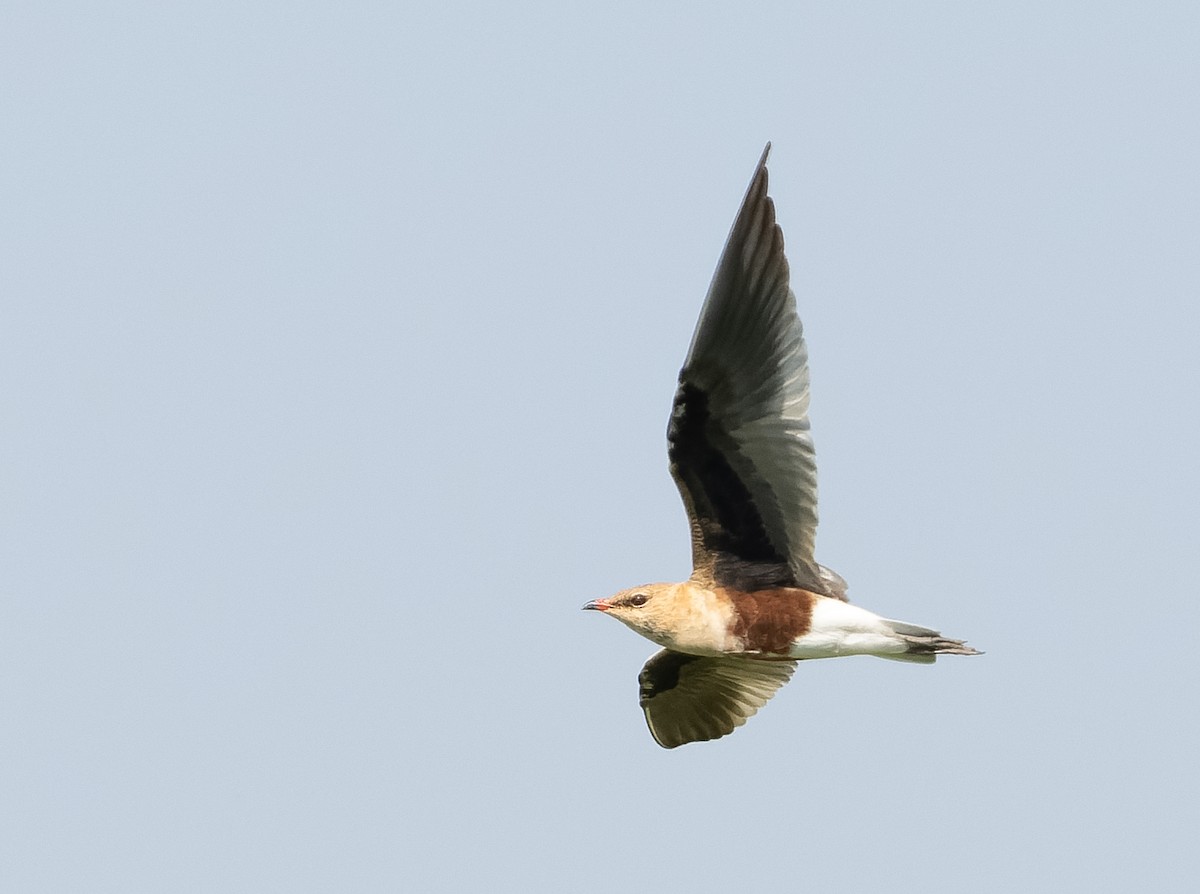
pixel 687 698
pixel 739 438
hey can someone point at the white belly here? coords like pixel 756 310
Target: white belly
pixel 839 628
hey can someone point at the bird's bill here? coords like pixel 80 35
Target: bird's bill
pixel 600 605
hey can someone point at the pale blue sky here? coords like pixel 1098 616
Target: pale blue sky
pixel 336 350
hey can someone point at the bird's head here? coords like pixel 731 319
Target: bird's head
pixel 650 610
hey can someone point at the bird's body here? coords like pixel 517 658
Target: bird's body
pixel 741 454
pixel 773 623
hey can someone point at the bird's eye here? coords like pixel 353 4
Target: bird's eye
pixel 638 599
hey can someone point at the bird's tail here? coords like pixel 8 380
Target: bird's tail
pixel 925 645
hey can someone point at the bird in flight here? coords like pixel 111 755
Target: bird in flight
pixel 742 456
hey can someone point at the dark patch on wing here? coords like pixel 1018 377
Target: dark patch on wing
pixel 771 620
pixel 731 526
pixel 661 674
pixel 730 571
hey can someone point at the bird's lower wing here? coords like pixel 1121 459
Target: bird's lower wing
pixel 688 698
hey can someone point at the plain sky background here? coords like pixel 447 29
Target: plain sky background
pixel 336 352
